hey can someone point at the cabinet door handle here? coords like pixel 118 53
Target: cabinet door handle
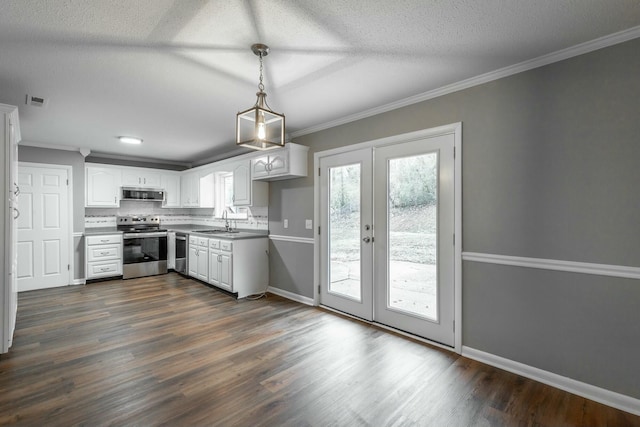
pixel 17 192
pixel 17 213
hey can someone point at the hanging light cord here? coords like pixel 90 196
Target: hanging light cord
pixel 261 85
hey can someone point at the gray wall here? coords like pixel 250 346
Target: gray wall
pixel 549 171
pixel 76 161
pixel 62 157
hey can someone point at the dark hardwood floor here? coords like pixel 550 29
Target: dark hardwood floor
pixel 167 350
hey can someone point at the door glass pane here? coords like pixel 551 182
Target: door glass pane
pixel 412 224
pixel 344 231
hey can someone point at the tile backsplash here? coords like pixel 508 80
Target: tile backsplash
pixel 258 217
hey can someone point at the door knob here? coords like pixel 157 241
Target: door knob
pixel 366 239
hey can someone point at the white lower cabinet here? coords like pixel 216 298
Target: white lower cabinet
pixel 198 258
pixel 104 256
pixel 240 266
pixel 220 264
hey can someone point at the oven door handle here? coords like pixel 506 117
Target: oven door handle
pixel 141 235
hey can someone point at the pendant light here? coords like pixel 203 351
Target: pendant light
pixel 259 127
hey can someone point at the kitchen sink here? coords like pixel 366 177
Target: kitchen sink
pixel 216 231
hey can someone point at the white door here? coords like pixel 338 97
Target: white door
pixel 44 230
pixel 346 271
pixel 414 247
pixel 387 235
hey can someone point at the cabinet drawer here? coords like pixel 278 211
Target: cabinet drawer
pixel 226 245
pixel 104 240
pixel 104 269
pixel 214 244
pixel 193 240
pixel 203 241
pixel 103 252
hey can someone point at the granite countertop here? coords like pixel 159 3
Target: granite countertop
pixel 190 229
pixel 91 231
pixel 239 235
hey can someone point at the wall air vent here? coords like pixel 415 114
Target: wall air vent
pixel 36 101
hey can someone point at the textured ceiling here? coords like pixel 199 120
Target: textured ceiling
pixel 175 72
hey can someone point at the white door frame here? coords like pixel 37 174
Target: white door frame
pixel 456 130
pixel 69 169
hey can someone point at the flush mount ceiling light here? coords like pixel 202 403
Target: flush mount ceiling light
pixel 259 127
pixel 130 140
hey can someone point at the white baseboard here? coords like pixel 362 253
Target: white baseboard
pixel 79 282
pixel 601 395
pixel 290 295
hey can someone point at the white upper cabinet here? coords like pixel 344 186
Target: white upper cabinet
pixel 190 185
pixel 170 182
pixel 102 186
pixel 134 177
pixel 247 192
pixel 206 188
pixel 198 188
pixel 281 163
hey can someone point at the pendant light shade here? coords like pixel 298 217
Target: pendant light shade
pixel 259 127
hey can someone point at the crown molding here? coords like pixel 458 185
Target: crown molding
pixel 560 55
pixel 139 159
pixel 50 146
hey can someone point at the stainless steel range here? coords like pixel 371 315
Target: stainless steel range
pixel 145 246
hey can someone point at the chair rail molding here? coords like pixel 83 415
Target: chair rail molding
pixel 557 265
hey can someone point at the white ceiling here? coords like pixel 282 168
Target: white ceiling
pixel 175 72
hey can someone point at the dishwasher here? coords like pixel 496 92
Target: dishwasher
pixel 181 252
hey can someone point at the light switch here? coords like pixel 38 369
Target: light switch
pixel 308 224
pixel 285 223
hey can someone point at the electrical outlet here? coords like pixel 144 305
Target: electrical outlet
pixel 308 224
pixel 285 223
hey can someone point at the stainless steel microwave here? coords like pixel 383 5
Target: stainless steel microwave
pixel 145 194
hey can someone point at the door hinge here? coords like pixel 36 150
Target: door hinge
pixel 318 171
pixel 454 152
pixel 318 230
pixel 454 326
pixel 67 183
pixel 454 239
pixel 68 267
pixel 319 289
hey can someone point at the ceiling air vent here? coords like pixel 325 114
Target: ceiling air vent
pixel 36 101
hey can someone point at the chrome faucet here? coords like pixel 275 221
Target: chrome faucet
pixel 227 226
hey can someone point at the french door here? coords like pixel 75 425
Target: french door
pixel 387 223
